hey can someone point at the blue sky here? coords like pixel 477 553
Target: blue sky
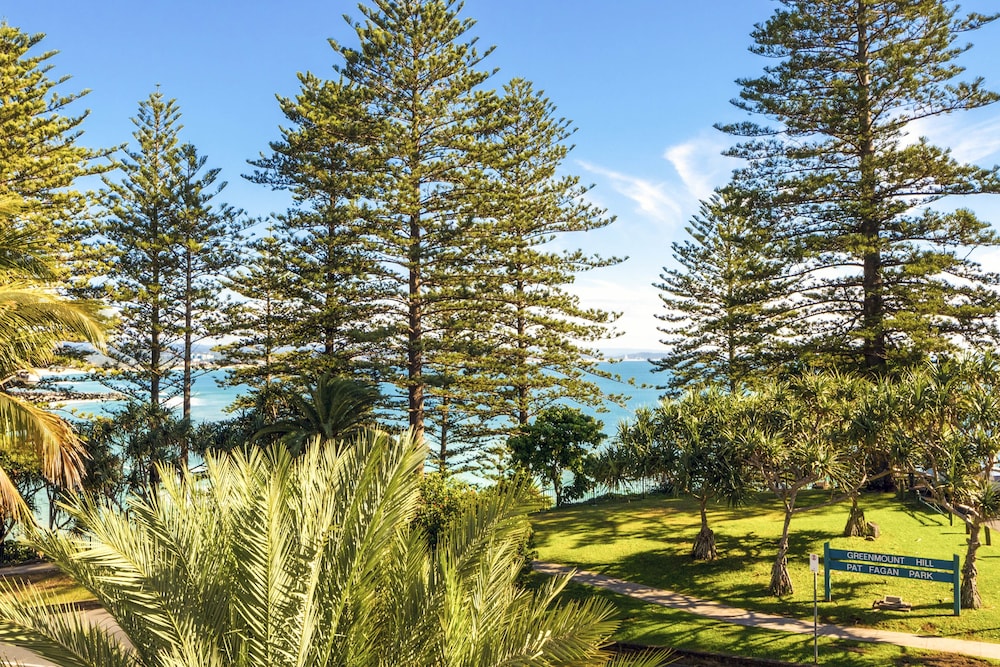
pixel 643 80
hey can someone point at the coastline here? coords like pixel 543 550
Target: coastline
pixel 63 397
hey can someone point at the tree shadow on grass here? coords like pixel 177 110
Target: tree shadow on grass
pixel 923 515
pixel 741 572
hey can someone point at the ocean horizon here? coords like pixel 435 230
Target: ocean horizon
pixel 210 401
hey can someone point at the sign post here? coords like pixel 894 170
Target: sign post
pixel 814 568
pixel 892 565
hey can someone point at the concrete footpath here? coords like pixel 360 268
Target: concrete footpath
pixel 756 619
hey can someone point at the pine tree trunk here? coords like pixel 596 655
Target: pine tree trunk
pixel 187 382
pixel 415 336
pixel 873 307
pixel 704 544
pixel 856 526
pixel 443 441
pixel 970 574
pixel 781 582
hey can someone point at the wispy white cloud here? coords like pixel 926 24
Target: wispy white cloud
pixel 652 199
pixel 700 164
pixel 969 142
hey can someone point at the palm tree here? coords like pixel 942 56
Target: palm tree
pixel 33 320
pixel 334 409
pixel 279 561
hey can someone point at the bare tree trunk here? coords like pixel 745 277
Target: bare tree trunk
pixel 443 441
pixel 704 544
pixel 970 573
pixel 186 381
pixel 856 526
pixel 781 582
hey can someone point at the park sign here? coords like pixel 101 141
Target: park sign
pixel 891 565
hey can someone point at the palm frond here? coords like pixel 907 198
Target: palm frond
pixel 66 639
pixel 25 425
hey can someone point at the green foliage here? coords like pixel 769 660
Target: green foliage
pixel 529 335
pixel 41 157
pixel 422 248
pixel 708 465
pixel 726 314
pixel 131 443
pixel 334 409
pixel 640 453
pixel 442 500
pixel 274 561
pixel 941 421
pixel 264 326
pixel 40 216
pixel 885 278
pixel 558 441
pixel 33 321
pixel 167 245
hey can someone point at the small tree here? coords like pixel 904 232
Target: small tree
pixel 708 465
pixel 943 426
pixel 638 454
pixel 558 441
pixel 787 432
pixel 333 409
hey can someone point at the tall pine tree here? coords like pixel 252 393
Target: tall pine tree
pixel 444 195
pixel 727 318
pixel 170 244
pixel 887 277
pixel 330 291
pixel 260 355
pixel 206 238
pixel 393 146
pixel 142 213
pixel 534 332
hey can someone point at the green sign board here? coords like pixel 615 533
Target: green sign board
pixel 888 559
pixel 891 571
pixel 891 565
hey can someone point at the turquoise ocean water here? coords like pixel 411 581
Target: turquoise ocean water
pixel 209 400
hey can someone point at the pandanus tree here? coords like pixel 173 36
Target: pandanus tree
pixel 639 451
pixel 276 561
pixel 708 464
pixel 34 319
pixel 943 421
pixel 788 433
pixel 862 443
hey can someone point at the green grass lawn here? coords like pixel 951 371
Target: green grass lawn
pixel 648 541
pixel 55 587
pixel 653 625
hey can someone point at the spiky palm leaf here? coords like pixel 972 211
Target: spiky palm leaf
pixel 333 410
pixel 51 439
pixel 278 561
pixel 33 320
